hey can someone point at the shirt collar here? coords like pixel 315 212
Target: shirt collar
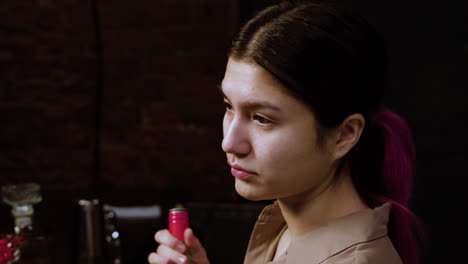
pixel 341 233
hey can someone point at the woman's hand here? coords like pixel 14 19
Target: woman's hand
pixel 172 250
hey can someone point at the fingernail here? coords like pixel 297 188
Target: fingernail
pixel 181 247
pixel 182 259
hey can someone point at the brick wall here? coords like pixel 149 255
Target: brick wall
pixel 148 76
pixel 47 87
pixel 161 109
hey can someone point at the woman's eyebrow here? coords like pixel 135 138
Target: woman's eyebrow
pixel 253 104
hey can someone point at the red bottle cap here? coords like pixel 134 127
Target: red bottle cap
pixel 178 222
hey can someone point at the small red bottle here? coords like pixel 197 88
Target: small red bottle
pixel 178 222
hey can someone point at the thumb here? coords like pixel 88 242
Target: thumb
pixel 197 251
pixel 191 240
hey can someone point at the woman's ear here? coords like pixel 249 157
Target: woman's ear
pixel 347 135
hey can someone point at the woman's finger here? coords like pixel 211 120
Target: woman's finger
pixel 198 252
pixel 163 237
pixel 171 254
pixel 154 258
pixel 191 240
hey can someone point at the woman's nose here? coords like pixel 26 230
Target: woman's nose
pixel 236 138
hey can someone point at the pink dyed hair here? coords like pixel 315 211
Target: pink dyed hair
pixel 398 172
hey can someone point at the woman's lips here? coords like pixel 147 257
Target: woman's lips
pixel 240 173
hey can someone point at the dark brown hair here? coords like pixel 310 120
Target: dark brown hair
pixel 321 53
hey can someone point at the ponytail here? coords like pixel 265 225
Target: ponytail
pixel 389 136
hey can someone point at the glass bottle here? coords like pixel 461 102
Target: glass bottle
pixel 30 247
pixel 178 222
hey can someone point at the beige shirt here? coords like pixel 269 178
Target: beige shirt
pixel 357 238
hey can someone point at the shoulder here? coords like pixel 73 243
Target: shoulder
pixel 358 238
pixel 379 250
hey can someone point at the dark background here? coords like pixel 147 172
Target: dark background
pixel 118 100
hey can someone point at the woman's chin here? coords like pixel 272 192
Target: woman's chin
pixel 248 192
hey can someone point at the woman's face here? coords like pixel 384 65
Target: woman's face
pixel 270 137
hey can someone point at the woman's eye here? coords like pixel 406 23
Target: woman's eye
pixel 228 106
pixel 261 120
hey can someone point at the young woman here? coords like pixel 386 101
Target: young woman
pixel 304 125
